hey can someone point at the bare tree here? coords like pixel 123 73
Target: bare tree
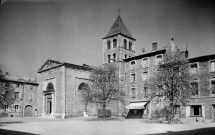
pixel 104 86
pixel 171 83
pixel 6 91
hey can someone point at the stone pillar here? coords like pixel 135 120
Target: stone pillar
pixel 53 104
pixel 63 100
pixel 44 107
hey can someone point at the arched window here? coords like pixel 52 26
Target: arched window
pixel 50 87
pixel 114 43
pixel 108 58
pixel 125 43
pixel 114 57
pixel 83 86
pixel 130 45
pixel 108 44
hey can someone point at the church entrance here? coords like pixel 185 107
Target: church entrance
pixel 48 104
pixel 49 100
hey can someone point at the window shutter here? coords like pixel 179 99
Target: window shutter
pixel 203 111
pixel 187 111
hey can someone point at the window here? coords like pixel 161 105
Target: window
pixel 145 63
pixel 31 97
pixel 193 68
pixel 6 107
pixel 16 108
pixel 133 77
pixel 125 43
pixel 212 66
pixel 130 45
pixel 108 44
pixel 132 65
pixel 145 75
pixel 108 58
pixel 125 55
pixel 17 85
pixel 159 59
pixel 16 95
pixel 176 109
pixel 195 88
pixel 31 87
pixel 196 110
pixel 145 89
pixel 114 57
pixel 212 86
pixel 133 93
pixel 114 43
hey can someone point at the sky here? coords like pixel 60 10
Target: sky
pixel 72 30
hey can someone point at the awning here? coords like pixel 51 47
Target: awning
pixel 137 105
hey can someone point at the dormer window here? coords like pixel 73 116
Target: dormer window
pixel 114 43
pixel 130 45
pixel 132 66
pixel 212 66
pixel 108 44
pixel 125 43
pixel 194 68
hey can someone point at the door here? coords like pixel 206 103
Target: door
pixel 49 107
pixel 28 111
pixel 214 113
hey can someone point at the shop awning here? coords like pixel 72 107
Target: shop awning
pixel 137 105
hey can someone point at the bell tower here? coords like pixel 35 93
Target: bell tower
pixel 118 43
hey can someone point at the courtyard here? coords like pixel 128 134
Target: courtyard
pixel 95 126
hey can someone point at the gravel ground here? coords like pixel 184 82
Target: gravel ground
pixel 94 126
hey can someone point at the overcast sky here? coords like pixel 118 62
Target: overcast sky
pixel 72 30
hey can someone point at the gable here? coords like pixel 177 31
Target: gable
pixel 49 64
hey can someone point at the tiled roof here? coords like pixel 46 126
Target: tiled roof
pixel 21 79
pixel 118 28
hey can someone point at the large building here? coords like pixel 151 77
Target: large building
pixel 25 92
pixel 60 83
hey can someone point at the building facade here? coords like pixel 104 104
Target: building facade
pixel 25 92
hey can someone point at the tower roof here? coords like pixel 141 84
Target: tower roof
pixel 119 28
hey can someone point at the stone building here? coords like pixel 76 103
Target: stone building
pixel 25 90
pixel 60 83
pixel 59 89
pixel 202 104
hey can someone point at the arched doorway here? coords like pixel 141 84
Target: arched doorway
pixel 48 99
pixel 83 90
pixel 28 111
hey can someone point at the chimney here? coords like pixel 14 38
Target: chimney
pixel 172 45
pixel 186 52
pixel 154 46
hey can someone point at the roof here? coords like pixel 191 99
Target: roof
pixel 21 79
pixel 50 64
pixel 162 51
pixel 202 58
pixel 119 28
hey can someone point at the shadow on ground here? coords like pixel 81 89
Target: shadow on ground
pixel 10 132
pixel 201 131
pixel 10 122
pixel 105 119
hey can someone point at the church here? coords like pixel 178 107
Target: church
pixel 60 83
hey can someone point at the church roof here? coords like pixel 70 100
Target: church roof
pixel 119 28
